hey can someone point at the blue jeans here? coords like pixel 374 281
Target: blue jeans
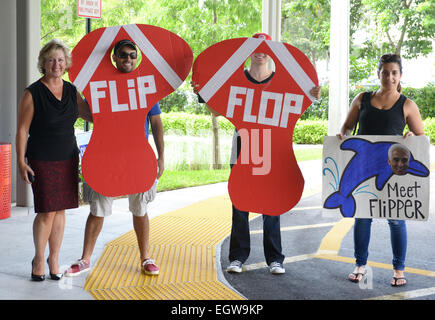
pixel 398 236
pixel 240 243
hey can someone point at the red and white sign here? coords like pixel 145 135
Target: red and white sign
pixel 118 159
pixel 266 179
pixel 89 8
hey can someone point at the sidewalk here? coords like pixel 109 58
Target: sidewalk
pixel 16 240
pixel 319 255
pixel 16 243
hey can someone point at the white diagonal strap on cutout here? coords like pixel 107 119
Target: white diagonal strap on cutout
pixel 95 57
pixel 292 67
pixel 153 55
pixel 229 67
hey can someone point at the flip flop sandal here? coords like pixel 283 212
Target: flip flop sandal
pixel 398 285
pixel 356 274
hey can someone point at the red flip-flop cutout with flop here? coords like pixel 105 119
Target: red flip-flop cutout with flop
pixel 266 178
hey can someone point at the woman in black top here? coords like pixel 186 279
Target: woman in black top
pixel 48 111
pixel 383 112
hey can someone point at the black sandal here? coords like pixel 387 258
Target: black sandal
pixel 398 285
pixel 356 274
pixel 356 277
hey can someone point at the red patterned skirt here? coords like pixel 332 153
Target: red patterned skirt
pixel 56 184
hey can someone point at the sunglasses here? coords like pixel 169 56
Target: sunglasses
pixel 125 55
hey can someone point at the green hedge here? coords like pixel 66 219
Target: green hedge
pixel 423 97
pixel 306 131
pixel 184 123
pixel 184 101
pixel 429 129
pixel 310 131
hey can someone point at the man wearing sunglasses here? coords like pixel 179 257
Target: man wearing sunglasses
pixel 125 59
pixel 398 158
pixel 125 56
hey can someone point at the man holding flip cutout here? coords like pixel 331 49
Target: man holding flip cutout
pixel 125 59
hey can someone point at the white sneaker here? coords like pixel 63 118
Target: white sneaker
pixel 235 267
pixel 276 268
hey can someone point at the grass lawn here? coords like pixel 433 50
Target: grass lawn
pixel 172 180
pixel 308 154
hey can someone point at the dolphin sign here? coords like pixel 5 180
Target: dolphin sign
pixel 372 157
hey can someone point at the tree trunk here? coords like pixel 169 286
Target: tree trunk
pixel 216 148
pixel 215 125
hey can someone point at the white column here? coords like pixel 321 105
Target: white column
pixel 8 76
pixel 27 51
pixel 339 65
pixel 271 19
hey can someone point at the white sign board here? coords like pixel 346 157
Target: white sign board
pixel 83 141
pixel 377 177
pixel 89 8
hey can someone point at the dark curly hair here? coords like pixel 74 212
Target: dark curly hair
pixel 391 58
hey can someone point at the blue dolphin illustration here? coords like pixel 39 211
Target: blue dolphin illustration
pixel 370 160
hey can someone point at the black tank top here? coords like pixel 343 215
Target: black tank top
pixel 51 133
pixel 374 121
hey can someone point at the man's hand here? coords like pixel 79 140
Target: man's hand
pixel 160 166
pixel 315 92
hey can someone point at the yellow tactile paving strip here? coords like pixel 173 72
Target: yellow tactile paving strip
pixel 183 243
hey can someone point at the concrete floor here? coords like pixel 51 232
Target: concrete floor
pixel 17 250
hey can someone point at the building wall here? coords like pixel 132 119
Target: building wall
pixel 8 79
pixel 20 38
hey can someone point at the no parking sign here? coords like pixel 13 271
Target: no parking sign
pixel 119 159
pixel 266 179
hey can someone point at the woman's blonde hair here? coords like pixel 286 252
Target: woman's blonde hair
pixel 48 50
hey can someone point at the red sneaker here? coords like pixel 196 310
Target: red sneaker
pixel 149 267
pixel 77 268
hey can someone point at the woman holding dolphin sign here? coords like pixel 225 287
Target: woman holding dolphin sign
pixel 383 112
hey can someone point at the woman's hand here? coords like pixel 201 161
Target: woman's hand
pixel 84 109
pixel 340 136
pixel 25 170
pixel 25 117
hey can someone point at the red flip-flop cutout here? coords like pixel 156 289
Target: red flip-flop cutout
pixel 118 159
pixel 266 178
